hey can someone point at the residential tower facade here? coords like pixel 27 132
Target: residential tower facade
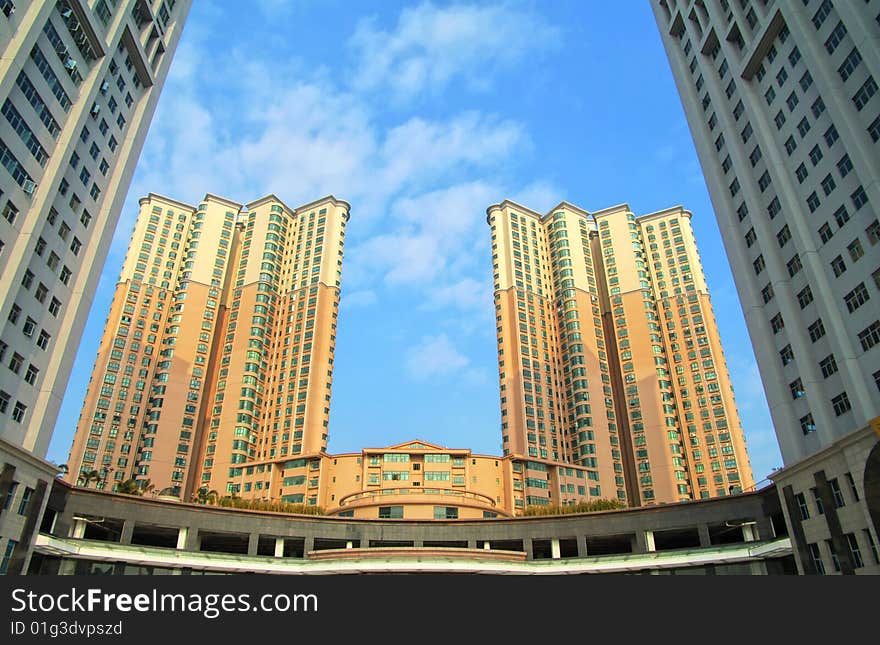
pixel 218 350
pixel 609 355
pixel 781 99
pixel 79 83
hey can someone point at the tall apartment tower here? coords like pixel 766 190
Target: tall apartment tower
pixel 79 82
pixel 609 355
pixel 218 349
pixel 781 101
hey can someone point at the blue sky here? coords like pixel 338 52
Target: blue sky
pixel 421 115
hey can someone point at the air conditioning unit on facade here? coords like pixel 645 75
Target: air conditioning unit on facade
pixel 29 187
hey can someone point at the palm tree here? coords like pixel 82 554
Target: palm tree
pixel 205 496
pixel 88 476
pixel 146 486
pixel 129 487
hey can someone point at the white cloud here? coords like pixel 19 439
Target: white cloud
pixel 466 293
pixel 418 185
pixel 362 298
pixel 431 46
pixel 434 356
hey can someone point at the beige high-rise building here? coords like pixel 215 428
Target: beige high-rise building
pixel 609 355
pixel 781 100
pixel 218 349
pixel 79 82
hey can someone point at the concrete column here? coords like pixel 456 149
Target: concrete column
pixel 308 546
pixel 181 538
pixel 705 540
pixel 763 529
pixel 529 549
pixel 193 540
pixel 127 531
pixel 555 551
pixel 644 542
pixel 279 547
pixel 486 545
pixel 253 543
pixel 79 529
pixel 472 544
pixel 349 544
pixel 750 532
pixel 67 568
pixel 582 547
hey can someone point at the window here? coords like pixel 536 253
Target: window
pixel 801 173
pixel 10 212
pixel 445 513
pixel 855 552
pixel 828 184
pixel 834 559
pixel 794 265
pixel 866 91
pixel 835 38
pixel 821 13
pixel 817 330
pixel 874 130
pixel 805 296
pixel 807 424
pixel 791 101
pixel 825 233
pixel 750 237
pixel 7 556
pixel 838 266
pixel 758 264
pixel 786 355
pixel 844 166
pixel 831 136
pixel 850 63
pixel 841 216
pixel 870 335
pixel 777 323
pixel 836 493
pixel 828 365
pixel 30 376
pixel 25 500
pixel 802 506
pixel 857 297
pixel 859 197
pixel 390 512
pixel 767 293
pixel 16 362
pixel 820 508
pixel 816 556
pixel 852 486
pixel 855 250
pixel 813 202
pixel 790 145
pixel 873 232
pixel 779 119
pixel 19 411
pixel 764 181
pixel 796 388
pixel 803 127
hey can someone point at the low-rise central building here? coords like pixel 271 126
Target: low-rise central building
pixel 413 480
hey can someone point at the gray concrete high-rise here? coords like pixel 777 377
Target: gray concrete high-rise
pixel 780 97
pixel 79 82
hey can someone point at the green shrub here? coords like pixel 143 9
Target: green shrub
pixel 582 507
